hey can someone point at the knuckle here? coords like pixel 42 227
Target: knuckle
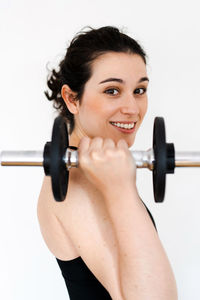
pixel 109 140
pixel 97 139
pixel 122 143
pixel 109 152
pixel 84 142
pixel 94 154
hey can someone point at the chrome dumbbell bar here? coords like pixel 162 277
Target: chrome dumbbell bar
pixel 143 159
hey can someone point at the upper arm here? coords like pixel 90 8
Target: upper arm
pixel 91 232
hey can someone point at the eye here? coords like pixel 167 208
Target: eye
pixel 140 93
pixel 110 91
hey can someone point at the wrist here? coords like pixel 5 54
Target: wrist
pixel 121 194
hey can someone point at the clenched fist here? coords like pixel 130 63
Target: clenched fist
pixel 107 165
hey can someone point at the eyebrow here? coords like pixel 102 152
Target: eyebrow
pixel 122 81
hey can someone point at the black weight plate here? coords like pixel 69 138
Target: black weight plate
pixel 160 159
pixel 46 158
pixel 58 171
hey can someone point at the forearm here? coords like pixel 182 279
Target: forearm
pixel 145 272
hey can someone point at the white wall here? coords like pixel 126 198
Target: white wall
pixel 33 33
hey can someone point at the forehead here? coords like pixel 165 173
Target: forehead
pixel 114 64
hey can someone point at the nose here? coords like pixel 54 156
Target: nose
pixel 129 105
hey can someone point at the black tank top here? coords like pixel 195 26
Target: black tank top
pixel 81 282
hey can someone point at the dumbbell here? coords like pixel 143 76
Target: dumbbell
pixel 58 158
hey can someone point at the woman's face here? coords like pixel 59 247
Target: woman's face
pixel 115 93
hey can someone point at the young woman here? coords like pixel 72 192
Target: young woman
pixel 103 236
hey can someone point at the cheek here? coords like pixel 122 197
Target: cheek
pixel 143 107
pixel 92 113
pixel 96 109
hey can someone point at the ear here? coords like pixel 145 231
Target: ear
pixel 69 97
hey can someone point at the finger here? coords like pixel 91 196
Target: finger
pixel 122 144
pixel 96 144
pixel 84 144
pixel 108 143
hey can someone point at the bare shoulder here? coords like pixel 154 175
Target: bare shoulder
pixel 84 220
pixel 53 233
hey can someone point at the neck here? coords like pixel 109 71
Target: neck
pixel 77 134
pixel 74 140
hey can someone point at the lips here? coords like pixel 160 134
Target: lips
pixel 124 130
pixel 124 122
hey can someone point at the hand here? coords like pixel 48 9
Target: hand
pixel 107 165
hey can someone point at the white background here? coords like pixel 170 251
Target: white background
pixel 33 33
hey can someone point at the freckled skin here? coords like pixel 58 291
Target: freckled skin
pixel 97 108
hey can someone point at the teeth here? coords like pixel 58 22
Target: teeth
pixel 126 126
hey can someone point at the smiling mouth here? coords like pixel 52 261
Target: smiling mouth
pixel 124 125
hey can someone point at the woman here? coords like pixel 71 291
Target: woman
pixel 102 235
